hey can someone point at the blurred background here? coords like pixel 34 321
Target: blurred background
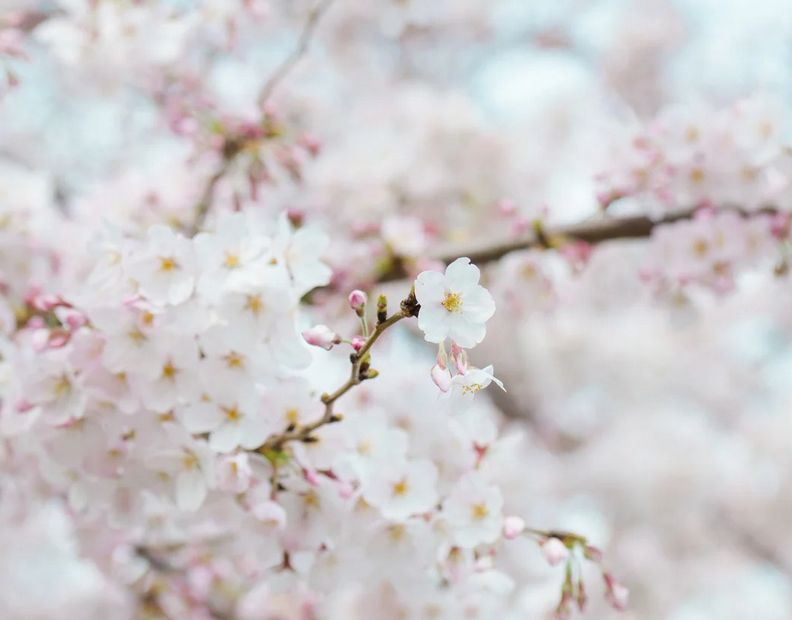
pixel 656 411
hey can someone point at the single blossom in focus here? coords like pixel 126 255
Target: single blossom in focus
pixel 454 305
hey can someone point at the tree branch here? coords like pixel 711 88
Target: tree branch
pixel 606 229
pixel 292 59
pixel 235 145
pixel 359 373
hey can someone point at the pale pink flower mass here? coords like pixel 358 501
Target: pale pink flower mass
pixel 245 374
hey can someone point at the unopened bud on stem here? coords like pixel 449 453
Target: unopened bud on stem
pixel 382 309
pixel 321 336
pixel 357 300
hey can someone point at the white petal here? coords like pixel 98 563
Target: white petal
pixel 202 418
pixel 225 438
pixel 461 274
pixel 190 490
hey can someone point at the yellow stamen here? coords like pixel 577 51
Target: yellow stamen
pixel 400 488
pixel 234 360
pixel 168 264
pixel 479 511
pixel 231 261
pixel 190 461
pixel 292 415
pixel 453 303
pixel 700 247
pixel 169 371
pixel 232 414
pixel 62 387
pixel 137 336
pixel 254 304
pixel 696 175
pixel 470 389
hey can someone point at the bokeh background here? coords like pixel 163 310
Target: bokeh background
pixel 657 424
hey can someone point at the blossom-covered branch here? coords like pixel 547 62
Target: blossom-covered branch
pixel 359 373
pixel 591 232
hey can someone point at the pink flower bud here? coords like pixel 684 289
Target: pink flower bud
pixel 358 342
pixel 310 144
pixel 441 377
pixel 23 405
pixel 321 336
pixel 311 477
pixel 779 226
pixel 345 489
pixel 460 358
pixel 519 226
pixel 442 356
pixel 507 207
pixel 617 595
pixel 513 526
pixel 46 303
pixel 592 553
pixel 59 338
pixel 357 299
pixel 555 551
pixel 74 319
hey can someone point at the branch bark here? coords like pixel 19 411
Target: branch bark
pixel 606 229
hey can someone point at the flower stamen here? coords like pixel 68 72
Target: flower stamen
pixel 453 303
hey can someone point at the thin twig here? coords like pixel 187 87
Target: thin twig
pixel 234 146
pixel 202 209
pixel 302 47
pixel 358 374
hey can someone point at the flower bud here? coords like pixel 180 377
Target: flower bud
pixel 592 553
pixel 779 226
pixel 46 303
pixel 357 299
pixel 321 336
pixel 513 526
pixel 617 595
pixel 345 489
pixel 460 358
pixel 441 377
pixel 311 477
pixel 74 319
pixel 555 551
pixel 382 309
pixel 358 342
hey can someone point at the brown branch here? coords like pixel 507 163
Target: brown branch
pixel 595 232
pixel 202 209
pixel 309 29
pixel 748 541
pixel 359 373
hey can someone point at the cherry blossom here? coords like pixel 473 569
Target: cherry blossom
pixel 454 305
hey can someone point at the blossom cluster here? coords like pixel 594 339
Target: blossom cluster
pixel 694 155
pixel 172 406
